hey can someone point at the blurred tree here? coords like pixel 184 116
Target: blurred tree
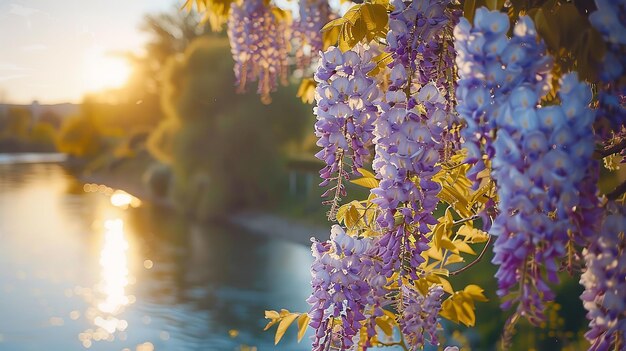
pixel 18 121
pixel 80 137
pixel 43 137
pixel 225 149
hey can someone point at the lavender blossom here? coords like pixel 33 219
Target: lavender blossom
pixel 345 110
pixel 258 47
pixel 307 30
pixel 340 289
pixel 605 284
pixel 420 316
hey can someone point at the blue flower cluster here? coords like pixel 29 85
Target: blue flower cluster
pixel 541 155
pixel 258 46
pixel 605 285
pixel 490 66
pixel 345 110
pixel 608 19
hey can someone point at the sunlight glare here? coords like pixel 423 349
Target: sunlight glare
pixel 123 199
pixel 114 267
pixel 103 71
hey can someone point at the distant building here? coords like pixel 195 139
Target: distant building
pixel 35 111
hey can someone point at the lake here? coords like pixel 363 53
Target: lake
pixel 78 273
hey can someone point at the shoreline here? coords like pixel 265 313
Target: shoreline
pixel 270 225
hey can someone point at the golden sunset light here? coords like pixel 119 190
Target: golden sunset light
pixel 301 175
pixel 103 70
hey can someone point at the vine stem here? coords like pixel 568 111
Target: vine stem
pixel 611 149
pixel 480 256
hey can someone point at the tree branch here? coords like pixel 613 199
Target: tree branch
pixel 613 149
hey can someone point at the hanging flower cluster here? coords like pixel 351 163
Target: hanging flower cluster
pixel 341 285
pixel 307 30
pixel 345 111
pixel 540 165
pixel 490 66
pixel 420 316
pixel 605 285
pixel 258 46
pixel 541 157
pixel 408 134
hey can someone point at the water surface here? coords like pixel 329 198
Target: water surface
pixel 78 273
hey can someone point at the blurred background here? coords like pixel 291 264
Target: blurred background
pixel 146 206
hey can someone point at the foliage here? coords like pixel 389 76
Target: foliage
pixel 80 136
pixel 201 137
pixel 482 120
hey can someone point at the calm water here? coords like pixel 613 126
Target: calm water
pixel 77 273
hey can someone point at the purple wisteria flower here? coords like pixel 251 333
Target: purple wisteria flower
pixel 341 289
pixel 420 316
pixel 258 46
pixel 346 99
pixel 605 284
pixel 409 140
pixel 307 30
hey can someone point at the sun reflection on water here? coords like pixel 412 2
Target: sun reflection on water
pixel 109 297
pixel 123 199
pixel 114 265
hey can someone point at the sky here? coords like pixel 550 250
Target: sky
pixel 55 51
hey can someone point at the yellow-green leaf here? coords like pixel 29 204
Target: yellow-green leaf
pixel 365 173
pixel 352 216
pixel 303 323
pixel 283 325
pixel 468 10
pixel 271 315
pixel 464 247
pixel 306 91
pixel 384 325
pixel 366 182
pixel 476 292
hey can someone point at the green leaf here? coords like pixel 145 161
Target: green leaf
pixel 283 325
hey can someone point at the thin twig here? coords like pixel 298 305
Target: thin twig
pixel 463 220
pixel 480 256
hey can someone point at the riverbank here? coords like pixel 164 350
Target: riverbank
pixel 271 225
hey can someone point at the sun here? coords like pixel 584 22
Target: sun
pixel 104 71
